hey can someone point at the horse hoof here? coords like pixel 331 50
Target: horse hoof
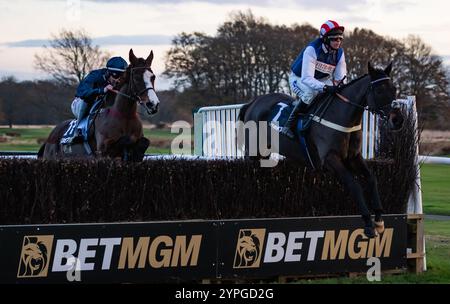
pixel 379 226
pixel 370 232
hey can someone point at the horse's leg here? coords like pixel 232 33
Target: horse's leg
pixel 103 145
pixel 138 149
pixel 360 167
pixel 335 162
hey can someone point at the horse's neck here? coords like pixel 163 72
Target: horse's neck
pixel 123 104
pixel 356 93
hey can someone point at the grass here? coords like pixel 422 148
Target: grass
pixel 28 140
pixel 438 262
pixel 435 181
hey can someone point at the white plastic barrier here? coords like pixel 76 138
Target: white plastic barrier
pixel 215 132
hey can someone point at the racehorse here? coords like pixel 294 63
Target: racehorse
pixel 334 136
pixel 116 130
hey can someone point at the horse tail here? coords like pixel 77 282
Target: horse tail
pixel 240 124
pixel 41 151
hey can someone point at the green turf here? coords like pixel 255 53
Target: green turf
pixel 157 150
pixel 438 261
pixel 19 147
pixel 28 133
pixel 162 134
pixel 435 181
pixel 27 141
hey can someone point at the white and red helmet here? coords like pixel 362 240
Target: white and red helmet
pixel 331 27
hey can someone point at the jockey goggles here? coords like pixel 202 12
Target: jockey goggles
pixel 336 37
pixel 115 75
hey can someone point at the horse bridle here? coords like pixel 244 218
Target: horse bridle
pixel 136 97
pixel 377 111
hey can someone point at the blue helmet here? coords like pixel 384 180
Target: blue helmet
pixel 117 64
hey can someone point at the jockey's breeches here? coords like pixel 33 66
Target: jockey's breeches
pixel 79 108
pixel 302 91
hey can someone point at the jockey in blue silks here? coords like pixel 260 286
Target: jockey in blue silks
pixel 316 69
pixel 94 85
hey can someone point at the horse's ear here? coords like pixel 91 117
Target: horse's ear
pixel 370 68
pixel 148 61
pixel 388 69
pixel 133 59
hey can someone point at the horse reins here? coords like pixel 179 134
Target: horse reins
pixel 135 97
pixel 346 100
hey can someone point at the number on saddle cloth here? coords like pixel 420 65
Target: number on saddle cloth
pixel 83 125
pixel 279 115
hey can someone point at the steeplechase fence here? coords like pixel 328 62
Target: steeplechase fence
pixel 204 219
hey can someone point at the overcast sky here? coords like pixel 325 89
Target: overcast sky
pixel 117 25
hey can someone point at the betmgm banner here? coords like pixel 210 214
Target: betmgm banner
pixel 194 250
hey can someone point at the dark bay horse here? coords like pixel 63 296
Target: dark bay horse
pixel 335 141
pixel 117 130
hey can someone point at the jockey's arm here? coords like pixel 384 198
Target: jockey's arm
pixel 309 68
pixel 86 88
pixel 341 70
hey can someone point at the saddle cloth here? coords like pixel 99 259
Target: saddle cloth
pixel 278 117
pixel 84 124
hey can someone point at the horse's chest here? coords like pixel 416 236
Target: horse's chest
pixel 121 127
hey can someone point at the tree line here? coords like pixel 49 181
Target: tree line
pixel 247 57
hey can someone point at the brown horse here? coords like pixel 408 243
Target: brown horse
pixel 116 130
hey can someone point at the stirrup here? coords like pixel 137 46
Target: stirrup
pixel 288 132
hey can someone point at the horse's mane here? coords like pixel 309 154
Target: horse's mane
pixel 322 96
pixel 376 70
pixel 354 80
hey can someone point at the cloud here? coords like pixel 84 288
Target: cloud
pixel 355 19
pixel 155 2
pixel 105 40
pixel 307 4
pixel 340 6
pixel 398 5
pixel 27 43
pixel 134 40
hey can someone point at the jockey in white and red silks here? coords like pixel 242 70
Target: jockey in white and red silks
pixel 318 67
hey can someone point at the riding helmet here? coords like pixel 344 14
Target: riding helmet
pixel 331 28
pixel 117 64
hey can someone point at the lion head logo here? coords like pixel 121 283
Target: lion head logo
pixel 35 256
pixel 248 249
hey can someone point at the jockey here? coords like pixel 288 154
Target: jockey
pixel 316 69
pixel 97 83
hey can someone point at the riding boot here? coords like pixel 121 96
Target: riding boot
pixel 291 123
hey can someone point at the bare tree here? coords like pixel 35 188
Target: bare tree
pixel 424 76
pixel 248 57
pixel 70 57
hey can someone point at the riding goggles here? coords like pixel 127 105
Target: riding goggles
pixel 336 38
